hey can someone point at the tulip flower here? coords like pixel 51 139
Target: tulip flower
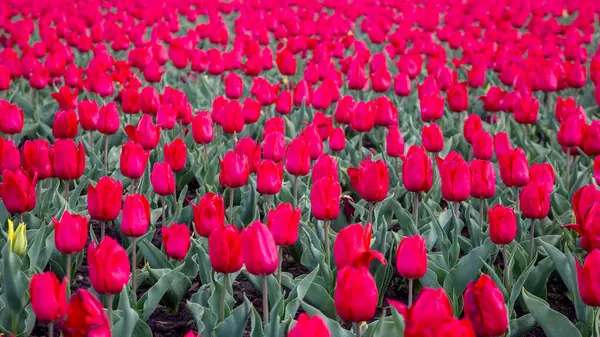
pixel 85 317
pixel 337 140
pixel 4 78
pixel 284 103
pixel 503 230
pixel 233 118
pixel 191 334
pixel 176 241
pixel 402 85
pixel 104 200
pixel 586 275
pixel 66 99
pixel 417 174
pixel 476 76
pixel 10 158
pixel 260 257
pixel 484 307
pixel 283 223
pixel 136 216
pixel 209 214
pixel 432 138
pixel 456 177
pixel 108 266
pixel 483 180
pixel 70 233
pixel 471 127
pixel 48 297
pixel 130 101
pixel 362 118
pixel 313 140
pixel 526 110
pixel 411 260
pixel 456 327
pixel 247 147
pixel 325 166
pixel 353 243
pixel 428 315
pixel 514 168
pixel 18 191
pixel 297 160
pixel 69 159
pixel 202 128
pixel 482 145
pixel 166 116
pixel 149 100
pixel 492 99
pixel 589 229
pixel 371 180
pixel 234 170
pixel 145 133
pixel 432 107
pixel 11 119
pixel 162 179
pixel 501 144
pixel 36 158
pixel 108 119
pixel 535 200
pixel 344 109
pixel 309 326
pixel 458 97
pixel 269 178
pixel 65 124
pixel 17 238
pixel 234 86
pixel 570 133
pixel 323 125
pixel 251 110
pixel 286 62
pixel 591 139
pixel 543 173
pixel 597 170
pixel 273 147
pixel 176 154
pixel 394 143
pixel 357 79
pixel 325 199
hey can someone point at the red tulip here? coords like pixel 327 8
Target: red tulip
pixel 591 139
pixel 70 233
pixel 402 85
pixel 432 107
pixel 394 143
pixel 251 110
pixel 104 200
pixel 535 200
pixel 66 99
pixel 65 124
pixel 355 294
pixel 362 117
pixel 476 76
pixel 322 97
pixel 352 244
pixel 471 127
pixel 309 326
pixel 176 154
pixel 149 100
pixel 543 173
pixel 4 78
pixel 39 78
pixel 325 166
pixel 427 316
pixel 234 86
pixel 456 177
pixel 483 179
pixel 273 146
pixel 225 249
pixel 286 62
pixel 586 276
pixel 458 97
pixel 108 266
pixel 109 119
pixel 576 75
pixel 176 241
pixel 570 133
pixel 492 99
pixel 323 125
pixel 133 160
pixel 48 297
pixel 432 138
pixel 136 216
pixel 130 101
pixel 202 128
pixel 313 140
pixel 484 307
pixel 456 327
pixel 18 191
pixel 503 224
pixel 381 80
pixel 501 144
pixel 209 214
pixel 417 171
pixel 269 177
pixel 325 199
pixel 88 114
pixel 284 102
pixel 344 109
pixel 153 72
pixel 337 141
pixel 274 125
pixel 233 118
pixel 526 110
pixel 566 108
pixel 85 317
pixel 10 158
pixel 162 179
pixel 247 147
pixel 597 170
pixel 259 249
pixel 411 258
pixel 283 222
pixel 69 159
pixel 357 79
pixel 146 133
pixel 514 168
pixel 371 180
pixel 297 157
pixel 482 145
pixel 166 116
pixel 11 118
pixel 234 170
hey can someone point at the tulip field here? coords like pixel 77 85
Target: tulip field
pixel 296 168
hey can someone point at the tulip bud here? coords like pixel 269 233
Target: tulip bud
pixel 133 160
pixel 176 154
pixel 273 146
pixel 234 86
pixel 65 124
pixel 355 294
pixel 11 118
pixel 130 101
pixel 9 156
pixel 18 191
pixel 104 200
pixel 149 100
pixel 570 133
pixel 70 233
pixel 362 118
pixel 209 214
pixel 36 157
pixel 483 179
pixel 411 258
pixel 146 133
pixel 503 224
pixel 501 144
pixel 269 177
pixel 234 170
pixel 394 143
pixel 402 85
pixel 108 266
pixel 251 110
pixel 307 326
pixel 283 223
pixel 66 99
pixel 526 110
pixel 357 79
pixel 286 62
pixel 109 119
pixel 325 166
pixel 325 199
pixel 432 138
pixel 371 180
pixel 484 307
pixel 232 120
pixel 284 103
pixel 417 171
pixel 17 239
pixel 247 147
pixel 313 140
pixel 85 316
pixel 471 127
pixel 136 216
pixel 428 314
pixel 456 177
pixel 69 159
pixel 48 297
pixel 586 273
pixel 162 179
pixel 202 128
pixel 514 168
pixel 323 125
pixel 297 157
pixel 259 249
pixel 344 109
pixel 225 249
pixel 191 334
pixel 353 245
pixel 176 241
pixel 337 141
pixel 535 200
pixel 457 328
pixel 458 97
pixel 543 173
pixel 432 107
pixel 597 170
pixel 492 99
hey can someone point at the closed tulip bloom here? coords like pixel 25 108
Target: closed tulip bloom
pixel 484 307
pixel 234 170
pixel 322 97
pixel 583 200
pixel 309 326
pixel 10 158
pixel 362 118
pixel 323 125
pixel 313 141
pixel 259 249
pixel 104 200
pixel 325 166
pixel 176 154
pixel 202 128
pixel 427 316
pixel 251 110
pixel 597 170
pixel 65 124
pixel 269 177
pixel 476 76
pixel 133 160
pixel 66 99
pixel 402 85
pixel 70 233
pixel 68 160
pixel 225 249
pixel 247 147
pixel 108 266
pixel 4 78
pixel 130 101
pixel 411 257
pixel 337 140
pixel 274 125
pixel 355 294
pixel 483 179
pixel 344 109
pixel 591 139
pixel 457 328
pixel 325 199
pixel 394 143
pixel 297 157
pixel 166 116
pixel 176 241
pixel 526 110
pixel 589 228
pixel 234 87
pixel 503 224
pixel 162 179
pixel 357 78
pixel 209 214
pixel 514 168
pixel 471 127
pixel 535 200
pixel 566 108
pixel 501 144
pixel 149 100
pixel 492 99
pixel 85 317
pixel 136 216
pixel 576 75
pixel 543 173
pixel 570 133
pixel 458 97
pixel 286 62
pixel 587 275
pixel 108 119
pixel 417 171
pixel 232 120
pixel 432 138
pixel 352 244
pixel 482 145
pixel 36 157
pixel 18 191
pixel 371 180
pixel 273 147
pixel 48 297
pixel 146 133
pixel 284 103
pixel 283 222
pixel 456 177
pixel 432 107
pixel 11 118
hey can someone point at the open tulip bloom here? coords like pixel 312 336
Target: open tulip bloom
pixel 180 164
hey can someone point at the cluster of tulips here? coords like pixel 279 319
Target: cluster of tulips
pixel 298 129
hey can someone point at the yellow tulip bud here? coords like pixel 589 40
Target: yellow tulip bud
pixel 18 238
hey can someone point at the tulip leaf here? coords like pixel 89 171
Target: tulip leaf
pixel 552 322
pixel 398 322
pixel 334 327
pixel 234 324
pixel 127 324
pixel 76 192
pixel 204 266
pixel 152 297
pixel 14 281
pixel 155 257
pixel 492 273
pixel 521 326
pixel 467 268
pixel 296 296
pixel 536 283
pixel 518 286
pixel 404 219
pixel 36 248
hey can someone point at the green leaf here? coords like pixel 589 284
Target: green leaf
pixel 524 324
pixel 398 322
pixel 127 324
pixel 518 286
pixel 234 324
pixel 153 296
pixel 256 326
pixel 334 327
pixel 297 294
pixel 552 322
pixel 468 268
pixel 15 283
pixel 155 257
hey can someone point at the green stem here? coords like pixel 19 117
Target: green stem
pixel 265 298
pixel 164 210
pixel 416 208
pixel 505 258
pixel 531 243
pixel 370 216
pixel 67 187
pixel 51 329
pixel 231 196
pixel 326 233
pixel 280 252
pixel 92 145
pixel 357 328
pixel 481 214
pixel 68 275
pixel 102 229
pixel 568 181
pixel 296 191
pixel 223 294
pixel 15 324
pixel 206 154
pixel 106 152
pixel 410 292
pixel 518 202
pixel 133 264
pixel 109 307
